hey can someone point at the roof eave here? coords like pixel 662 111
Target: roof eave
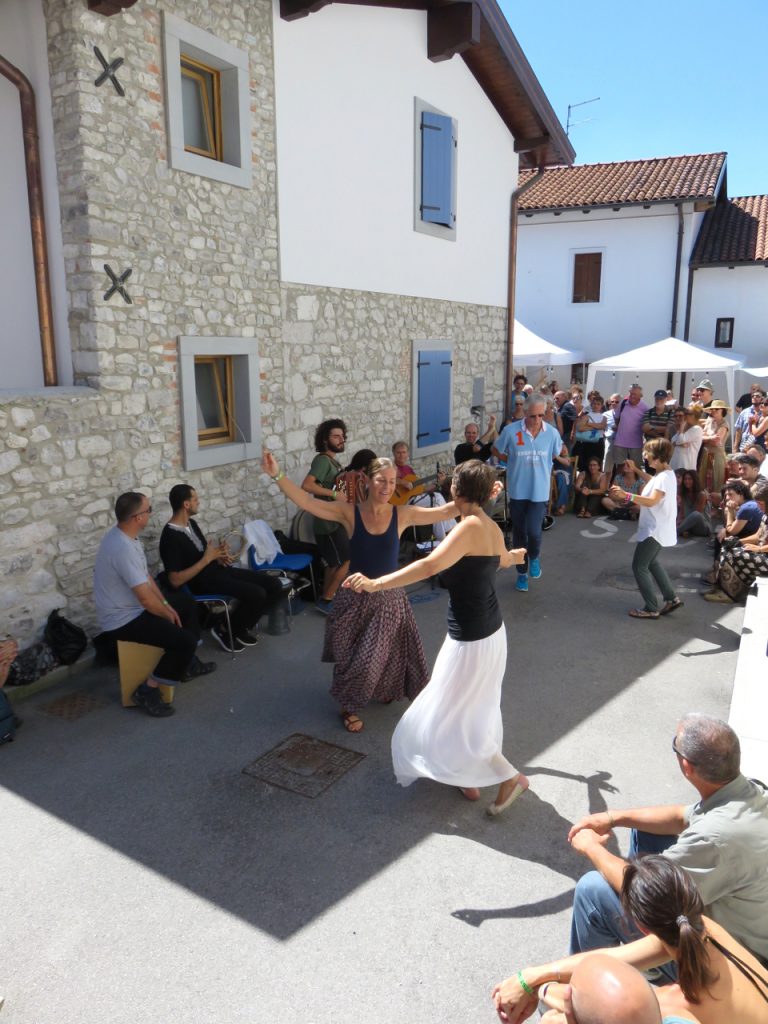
pixel 673 201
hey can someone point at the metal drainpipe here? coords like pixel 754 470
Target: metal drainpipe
pixel 678 265
pixel 512 282
pixel 36 217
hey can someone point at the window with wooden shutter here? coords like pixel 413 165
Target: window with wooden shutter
pixel 437 146
pixel 587 268
pixel 433 387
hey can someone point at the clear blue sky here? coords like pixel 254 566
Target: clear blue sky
pixel 672 78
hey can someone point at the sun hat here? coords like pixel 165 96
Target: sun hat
pixel 718 403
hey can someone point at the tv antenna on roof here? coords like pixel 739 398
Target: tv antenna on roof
pixel 572 106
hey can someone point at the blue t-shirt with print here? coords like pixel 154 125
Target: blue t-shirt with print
pixel 529 460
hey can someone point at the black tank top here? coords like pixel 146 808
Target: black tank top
pixel 473 611
pixel 374 554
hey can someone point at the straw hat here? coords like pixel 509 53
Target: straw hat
pixel 718 403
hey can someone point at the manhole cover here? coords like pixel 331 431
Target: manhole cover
pixel 303 765
pixel 73 706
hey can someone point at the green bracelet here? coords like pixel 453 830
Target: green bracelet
pixel 524 984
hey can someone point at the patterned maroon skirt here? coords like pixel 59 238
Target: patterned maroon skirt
pixel 375 647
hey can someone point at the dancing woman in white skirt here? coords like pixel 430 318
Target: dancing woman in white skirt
pixel 453 732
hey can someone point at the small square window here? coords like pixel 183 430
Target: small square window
pixel 208 104
pixel 587 271
pixel 219 388
pixel 215 399
pixel 201 102
pixel 724 332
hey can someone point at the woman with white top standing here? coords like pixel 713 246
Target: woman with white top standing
pixel 656 528
pixel 688 438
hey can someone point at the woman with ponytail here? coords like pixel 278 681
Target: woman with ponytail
pixel 719 981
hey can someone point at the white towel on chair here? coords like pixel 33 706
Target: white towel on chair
pixel 265 545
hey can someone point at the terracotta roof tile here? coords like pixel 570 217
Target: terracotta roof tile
pixel 735 231
pixel 663 179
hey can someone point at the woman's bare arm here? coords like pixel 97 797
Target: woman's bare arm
pixel 335 512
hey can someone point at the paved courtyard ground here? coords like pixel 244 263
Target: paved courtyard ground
pixel 147 880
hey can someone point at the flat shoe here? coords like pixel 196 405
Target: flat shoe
pixel 492 810
pixel 671 606
pixel 641 613
pixel 351 721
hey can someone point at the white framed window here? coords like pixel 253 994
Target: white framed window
pixel 207 104
pixel 432 397
pixel 435 171
pixel 220 401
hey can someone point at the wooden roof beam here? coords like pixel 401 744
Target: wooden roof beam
pixel 290 10
pixel 452 30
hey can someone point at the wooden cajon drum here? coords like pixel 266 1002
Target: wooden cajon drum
pixel 137 661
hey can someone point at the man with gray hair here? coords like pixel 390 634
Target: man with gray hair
pixel 722 841
pixel 628 418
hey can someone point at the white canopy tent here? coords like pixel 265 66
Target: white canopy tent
pixel 531 350
pixel 662 357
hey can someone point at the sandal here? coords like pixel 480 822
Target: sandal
pixel 351 721
pixel 520 786
pixel 641 613
pixel 581 515
pixel 671 606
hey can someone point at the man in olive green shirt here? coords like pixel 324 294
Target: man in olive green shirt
pixel 331 538
pixel 721 841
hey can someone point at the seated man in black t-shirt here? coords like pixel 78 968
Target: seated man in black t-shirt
pixel 474 446
pixel 205 567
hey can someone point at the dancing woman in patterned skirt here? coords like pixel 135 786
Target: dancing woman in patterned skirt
pixel 452 733
pixel 371 639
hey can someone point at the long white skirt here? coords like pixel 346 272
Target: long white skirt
pixel 453 732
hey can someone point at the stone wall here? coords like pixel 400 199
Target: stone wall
pixel 205 262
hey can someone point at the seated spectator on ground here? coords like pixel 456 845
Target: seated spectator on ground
pixel 722 841
pixel 562 474
pixel 352 481
pixel 742 518
pixel 748 468
pixel 591 486
pixel 748 421
pixel 205 567
pixel 719 980
pixel 657 422
pixel 686 438
pixel 130 606
pixel 740 564
pixel 628 479
pixel 589 432
pixel 693 511
pixel 475 446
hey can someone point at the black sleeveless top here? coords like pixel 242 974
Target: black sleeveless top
pixel 473 611
pixel 374 554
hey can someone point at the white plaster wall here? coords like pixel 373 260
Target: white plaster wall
pixel 346 78
pixel 635 308
pixel 23 43
pixel 741 293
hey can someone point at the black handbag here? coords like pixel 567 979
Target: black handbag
pixel 67 640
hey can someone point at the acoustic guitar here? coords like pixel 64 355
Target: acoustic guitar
pixel 419 484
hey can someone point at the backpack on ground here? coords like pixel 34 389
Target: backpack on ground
pixel 66 639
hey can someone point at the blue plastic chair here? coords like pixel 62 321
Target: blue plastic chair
pixel 290 563
pixel 223 600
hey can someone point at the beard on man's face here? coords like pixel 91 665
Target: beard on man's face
pixel 335 446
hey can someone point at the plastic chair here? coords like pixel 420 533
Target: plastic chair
pixel 223 600
pixel 284 563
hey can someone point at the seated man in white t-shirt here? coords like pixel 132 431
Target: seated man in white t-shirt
pixel 130 605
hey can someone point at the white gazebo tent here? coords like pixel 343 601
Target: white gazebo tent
pixel 662 357
pixel 531 350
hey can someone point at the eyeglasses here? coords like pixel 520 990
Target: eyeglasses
pixel 144 512
pixel 535 415
pixel 679 754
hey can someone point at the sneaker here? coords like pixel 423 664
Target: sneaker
pixel 246 638
pixel 221 636
pixel 534 569
pixel 548 522
pixel 522 582
pixel 324 605
pixel 718 597
pixel 198 668
pixel 148 698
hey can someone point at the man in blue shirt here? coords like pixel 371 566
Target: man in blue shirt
pixel 528 447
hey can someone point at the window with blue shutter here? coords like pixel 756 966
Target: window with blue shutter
pixel 435 171
pixel 437 148
pixel 433 386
